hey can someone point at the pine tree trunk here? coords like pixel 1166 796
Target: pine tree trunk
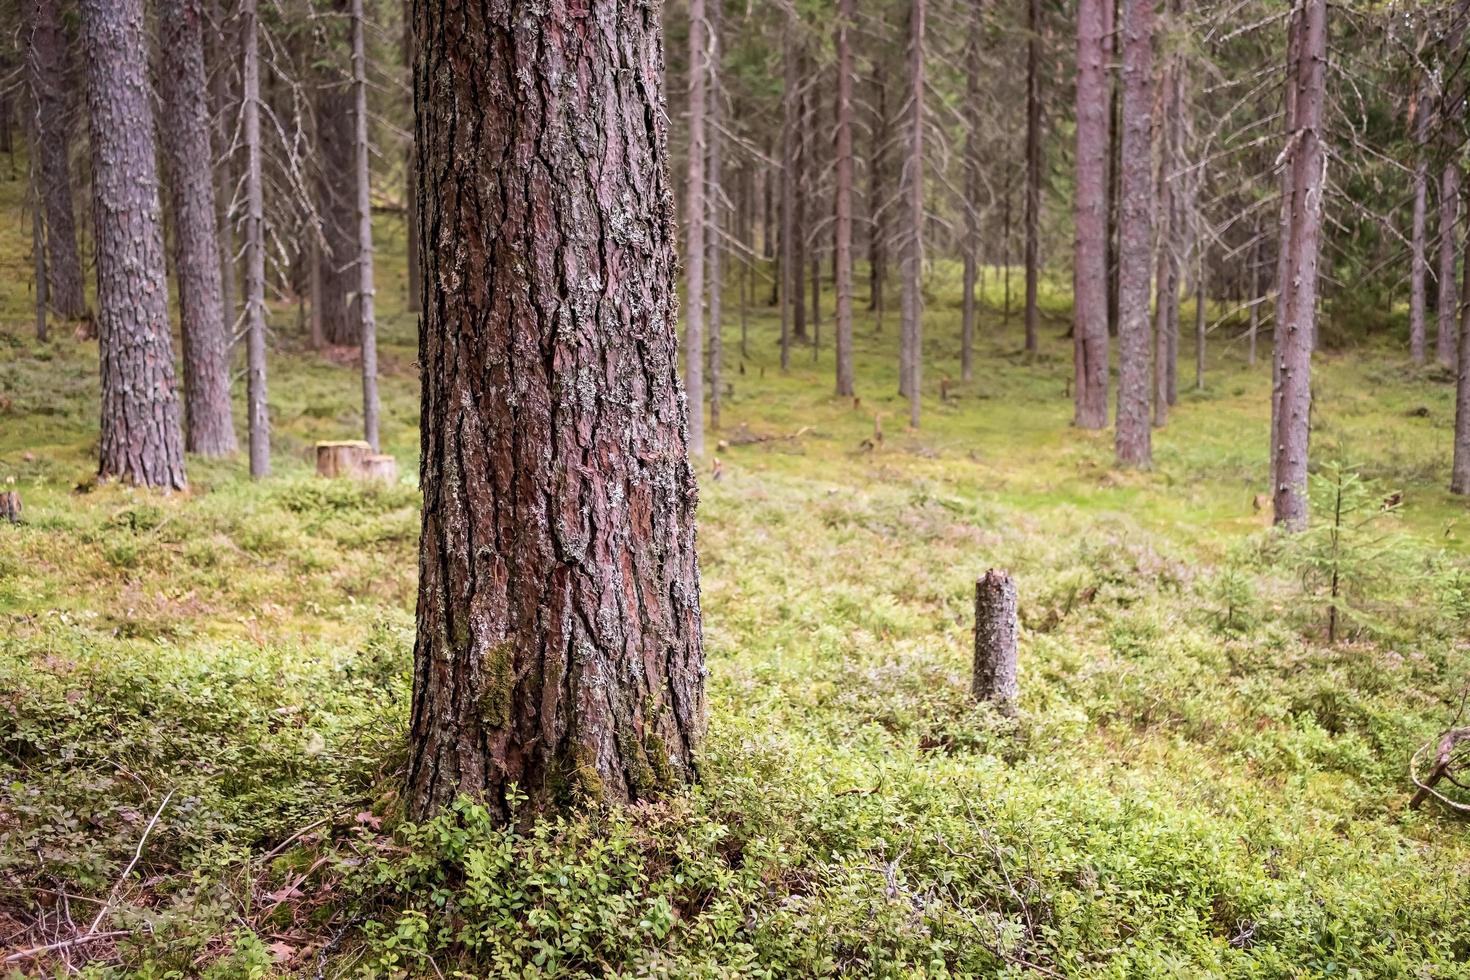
pixel 1090 271
pixel 1307 168
pixel 1033 169
pixel 209 427
pixel 843 206
pixel 1294 34
pixel 1255 289
pixel 1419 263
pixel 255 366
pixel 790 110
pixel 366 290
pixel 972 192
pixel 694 244
pixel 1132 442
pixel 877 212
pixel 38 231
pixel 559 643
pixel 1199 320
pixel 714 231
pixel 1449 300
pixel 996 631
pixel 225 111
pixel 913 232
pixel 47 55
pixel 411 201
pixel 1460 473
pixel 141 439
pixel 336 200
pixel 799 241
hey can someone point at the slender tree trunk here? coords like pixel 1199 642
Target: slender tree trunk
pixel 913 254
pixel 1255 288
pixel 336 201
pixel 366 290
pixel 47 55
pixel 1033 169
pixel 972 192
pixel 559 644
pixel 844 198
pixel 1113 14
pixel 255 397
pixel 877 212
pixel 1090 267
pixel 1295 29
pixel 141 440
pixel 411 201
pixel 1307 163
pixel 716 205
pixel 802 165
pixel 224 108
pixel 1166 290
pixel 209 427
pixel 1460 474
pixel 1132 442
pixel 1449 300
pixel 38 227
pixel 694 245
pixel 1199 319
pixel 790 110
pixel 1419 263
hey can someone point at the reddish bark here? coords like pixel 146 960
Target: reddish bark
pixel 1133 438
pixel 1090 267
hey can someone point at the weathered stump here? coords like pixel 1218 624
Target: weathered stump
pixel 381 467
pixel 10 506
pixel 995 640
pixel 339 459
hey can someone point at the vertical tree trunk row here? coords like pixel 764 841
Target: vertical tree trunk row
pixel 913 254
pixel 843 203
pixel 47 55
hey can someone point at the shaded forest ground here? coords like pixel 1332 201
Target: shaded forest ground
pixel 1198 783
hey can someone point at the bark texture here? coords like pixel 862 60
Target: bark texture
pixel 1460 473
pixel 1419 261
pixel 1446 339
pixel 362 177
pixel 996 630
pixel 1133 437
pixel 843 204
pixel 141 440
pixel 47 54
pixel 1033 169
pixel 209 427
pixel 335 198
pixel 790 277
pixel 694 243
pixel 260 425
pixel 558 618
pixel 1090 267
pixel 1307 164
pixel 912 363
pixel 714 211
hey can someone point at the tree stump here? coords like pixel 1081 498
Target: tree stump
pixel 339 459
pixel 381 467
pixel 10 506
pixel 995 640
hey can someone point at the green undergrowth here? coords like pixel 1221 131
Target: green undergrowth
pixel 1197 783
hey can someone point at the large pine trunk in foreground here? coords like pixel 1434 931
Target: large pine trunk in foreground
pixel 208 423
pixel 46 60
pixel 141 441
pixel 1133 439
pixel 1301 238
pixel 559 639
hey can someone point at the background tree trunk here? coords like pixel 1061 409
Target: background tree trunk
pixel 221 59
pixel 879 134
pixel 411 200
pixel 913 252
pixel 335 198
pixel 1090 266
pixel 791 291
pixel 366 290
pixel 1132 442
pixel 843 206
pixel 260 428
pixel 1033 169
pixel 1460 473
pixel 715 206
pixel 1418 262
pixel 694 244
pixel 1449 300
pixel 558 617
pixel 47 55
pixel 209 427
pixel 1307 163
pixel 141 440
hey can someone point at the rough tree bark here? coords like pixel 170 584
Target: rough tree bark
pixel 843 206
pixel 1449 300
pixel 47 55
pixel 559 639
pixel 1033 169
pixel 362 176
pixel 1419 263
pixel 1460 474
pixel 1090 267
pixel 972 192
pixel 1255 288
pixel 411 201
pixel 141 439
pixel 255 386
pixel 1132 442
pixel 209 427
pixel 221 58
pixel 335 198
pixel 912 365
pixel 996 630
pixel 694 243
pixel 1307 163
pixel 879 134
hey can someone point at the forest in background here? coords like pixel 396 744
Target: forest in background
pixel 1209 767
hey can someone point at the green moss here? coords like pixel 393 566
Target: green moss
pixel 497 691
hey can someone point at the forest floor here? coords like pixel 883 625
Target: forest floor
pixel 215 684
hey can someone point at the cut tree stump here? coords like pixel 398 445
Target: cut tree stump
pixel 342 459
pixel 380 467
pixel 995 640
pixel 10 506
